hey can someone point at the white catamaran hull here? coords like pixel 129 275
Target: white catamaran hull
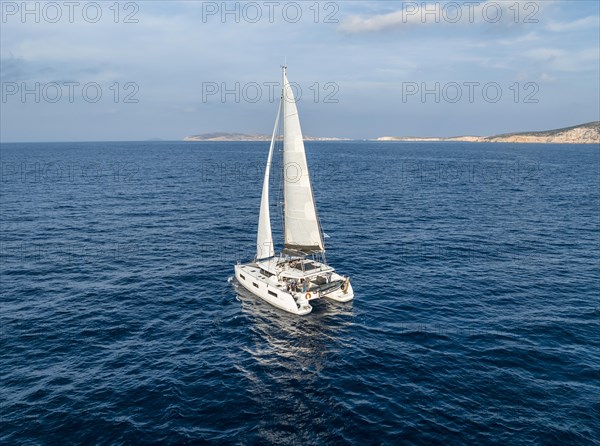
pixel 270 290
pixel 266 286
pixel 341 295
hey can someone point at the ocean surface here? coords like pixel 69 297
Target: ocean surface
pixel 476 269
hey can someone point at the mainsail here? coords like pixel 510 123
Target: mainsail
pixel 301 231
pixel 264 237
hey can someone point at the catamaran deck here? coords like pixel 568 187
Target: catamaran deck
pixel 291 283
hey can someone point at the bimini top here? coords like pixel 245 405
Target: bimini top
pixel 293 269
pixel 292 252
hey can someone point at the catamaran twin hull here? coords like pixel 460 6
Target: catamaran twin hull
pixel 291 285
pixel 287 281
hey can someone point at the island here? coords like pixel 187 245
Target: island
pixel 579 134
pixel 588 133
pixel 223 136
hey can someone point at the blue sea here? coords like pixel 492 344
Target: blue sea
pixel 476 270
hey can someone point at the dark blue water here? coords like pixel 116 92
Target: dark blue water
pixel 476 320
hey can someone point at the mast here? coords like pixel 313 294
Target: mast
pixel 283 77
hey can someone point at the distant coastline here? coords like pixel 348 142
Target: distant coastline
pixel 223 136
pixel 588 133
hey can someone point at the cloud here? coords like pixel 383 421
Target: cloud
pixel 358 24
pixel 427 14
pixel 562 60
pixel 575 25
pixel 12 69
pixel 545 77
pixel 526 38
pixel 15 69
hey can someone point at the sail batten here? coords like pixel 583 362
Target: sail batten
pixel 301 228
pixel 264 237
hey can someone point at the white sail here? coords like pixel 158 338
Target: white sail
pixel 301 231
pixel 264 237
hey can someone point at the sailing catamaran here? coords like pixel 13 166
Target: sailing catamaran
pixel 300 273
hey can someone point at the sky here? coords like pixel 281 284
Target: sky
pixel 94 71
